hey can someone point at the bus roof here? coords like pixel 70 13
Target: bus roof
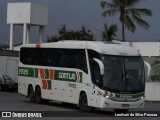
pixel 109 48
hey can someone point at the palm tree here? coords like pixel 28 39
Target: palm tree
pixel 109 33
pixel 129 15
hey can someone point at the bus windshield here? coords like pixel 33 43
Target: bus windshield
pixel 123 74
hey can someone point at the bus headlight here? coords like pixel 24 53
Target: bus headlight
pixel 107 96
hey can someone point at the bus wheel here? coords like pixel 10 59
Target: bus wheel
pixel 1 88
pixel 38 95
pixel 83 103
pixel 120 110
pixel 31 94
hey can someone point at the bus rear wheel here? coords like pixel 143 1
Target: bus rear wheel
pixel 83 103
pixel 38 98
pixel 31 94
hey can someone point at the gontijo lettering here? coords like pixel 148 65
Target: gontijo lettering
pixel 70 76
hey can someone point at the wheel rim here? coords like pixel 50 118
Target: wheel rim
pixel 84 102
pixel 31 93
pixel 38 96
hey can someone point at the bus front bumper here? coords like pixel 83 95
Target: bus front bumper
pixel 107 103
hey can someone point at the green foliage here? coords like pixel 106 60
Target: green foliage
pixel 156 62
pixel 109 32
pixel 65 34
pixel 155 77
pixel 129 15
pixel 156 70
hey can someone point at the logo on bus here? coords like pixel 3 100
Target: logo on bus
pixel 126 97
pixel 23 71
pixel 68 76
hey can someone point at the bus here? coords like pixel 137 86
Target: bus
pixel 89 74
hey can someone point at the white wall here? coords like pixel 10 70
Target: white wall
pixel 145 48
pixel 152 91
pixel 9 66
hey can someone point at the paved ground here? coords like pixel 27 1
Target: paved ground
pixel 15 102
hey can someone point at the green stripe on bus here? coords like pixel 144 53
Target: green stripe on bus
pixel 46 74
pixel 49 84
pixel 36 72
pixel 62 75
pixel 27 72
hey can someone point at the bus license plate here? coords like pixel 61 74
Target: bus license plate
pixel 125 105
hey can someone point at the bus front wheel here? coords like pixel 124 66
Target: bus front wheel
pixel 83 103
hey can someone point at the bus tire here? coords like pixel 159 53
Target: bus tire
pixel 31 94
pixel 1 88
pixel 83 103
pixel 120 110
pixel 38 95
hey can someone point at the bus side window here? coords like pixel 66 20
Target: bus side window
pixel 83 63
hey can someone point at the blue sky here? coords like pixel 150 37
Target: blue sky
pixel 75 13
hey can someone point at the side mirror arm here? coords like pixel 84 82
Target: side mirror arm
pixel 101 65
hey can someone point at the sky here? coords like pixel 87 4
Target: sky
pixel 77 13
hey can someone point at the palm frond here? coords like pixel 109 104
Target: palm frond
pixel 109 32
pixel 140 11
pixel 107 4
pixel 130 3
pixel 112 30
pixel 133 12
pixel 128 23
pixel 140 22
pixel 109 12
pixel 105 27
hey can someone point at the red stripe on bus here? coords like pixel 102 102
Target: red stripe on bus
pixel 42 74
pixel 44 84
pixel 51 74
pixel 38 45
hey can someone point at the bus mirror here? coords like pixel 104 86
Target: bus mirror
pixel 148 71
pixel 101 65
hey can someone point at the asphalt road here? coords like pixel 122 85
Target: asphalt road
pixel 14 102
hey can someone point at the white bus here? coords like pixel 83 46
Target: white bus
pixel 89 74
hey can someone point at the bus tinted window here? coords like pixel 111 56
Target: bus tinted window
pixel 67 58
pixel 93 66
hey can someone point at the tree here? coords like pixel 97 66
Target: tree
pixel 156 70
pixel 65 34
pixel 129 15
pixel 109 33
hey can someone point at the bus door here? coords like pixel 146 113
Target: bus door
pixel 96 80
